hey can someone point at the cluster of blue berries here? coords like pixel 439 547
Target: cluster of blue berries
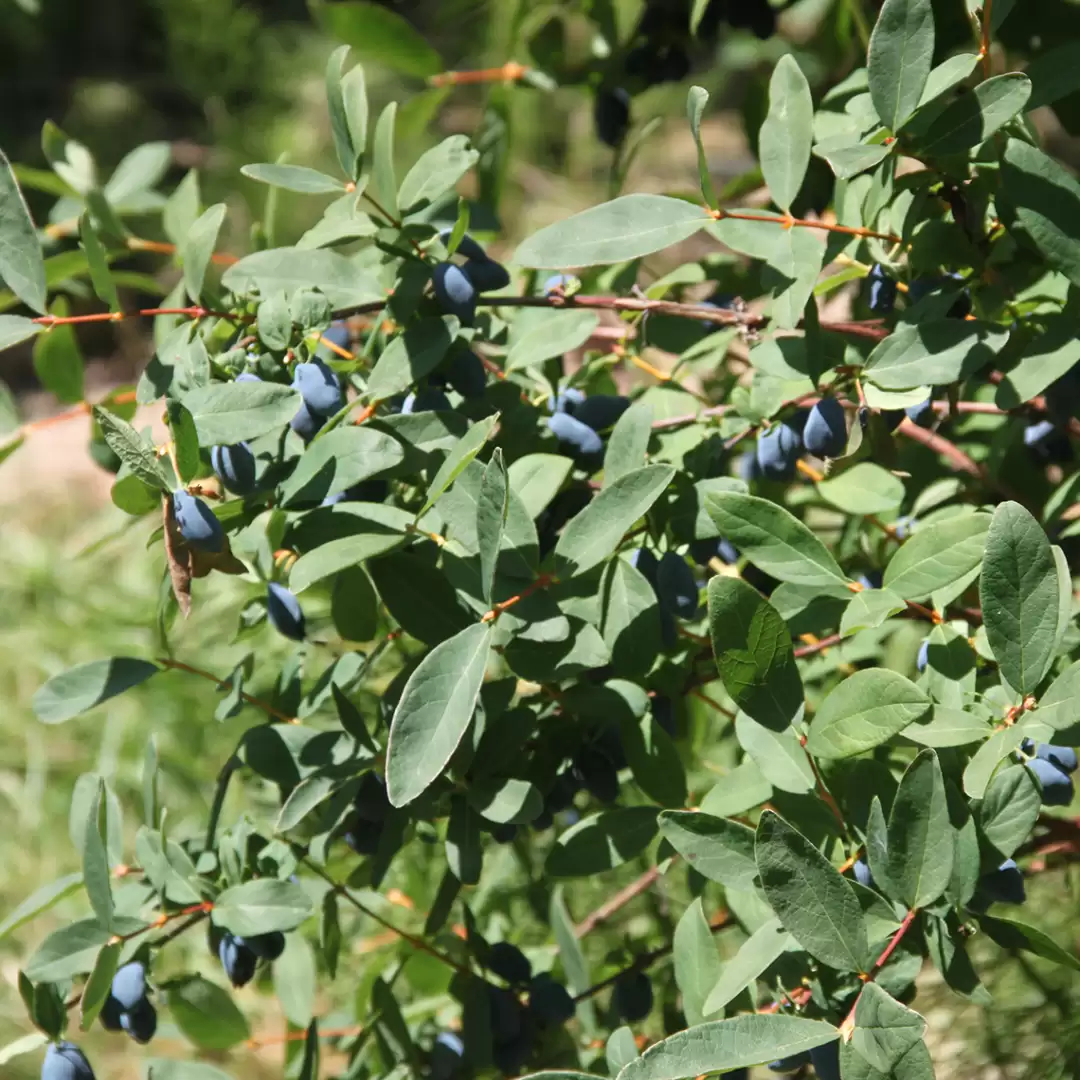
pixel 458 288
pixel 240 956
pixel 1053 767
pixel 577 421
pixel 820 431
pixel 128 1006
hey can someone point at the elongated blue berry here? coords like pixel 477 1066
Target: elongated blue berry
pixel 572 433
pixel 196 522
pixel 825 433
pixel 319 387
pixel 455 292
pixel 284 611
pixel 236 466
pixel 487 274
pixel 601 411
pixel 1057 787
pixel 676 586
pixel 129 985
pixel 65 1061
pixel 882 290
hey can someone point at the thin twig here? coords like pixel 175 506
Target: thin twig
pixel 616 902
pixel 222 684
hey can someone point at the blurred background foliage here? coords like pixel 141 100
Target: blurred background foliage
pixel 226 83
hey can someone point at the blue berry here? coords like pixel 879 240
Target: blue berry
pixel 319 387
pixel 923 657
pixel 111 1015
pixel 1057 788
pixel 549 1001
pixel 597 774
pixel 611 115
pixel 447 1055
pixel 676 586
pixel 236 466
pixel 427 400
pixel 65 1061
pixel 266 946
pixel 455 292
pixel 862 873
pixel 579 437
pixel 284 612
pixel 465 374
pixel 509 963
pixel 363 836
pixel 558 281
pixel 882 290
pixel 337 333
pixel 371 801
pixel 129 985
pixel 1061 757
pixel 467 247
pixel 140 1022
pixel 196 522
pixel 1005 885
pixel 487 274
pixel 567 401
pixel 825 433
pixel 601 411
pixel 237 959
pixel 305 423
pixel 248 376
pixel 777 452
pixel 633 996
pixel 921 414
pixel 826 1060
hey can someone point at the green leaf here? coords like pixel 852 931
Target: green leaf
pixel 697 965
pixel 16 328
pixel 973 117
pixel 773 539
pixel 198 247
pixel 753 651
pixel 1054 74
pixel 287 269
pixel 763 948
pixel 539 334
pixel 129 446
pixel 779 755
pixel 303 799
pixel 382 164
pixel 718 849
pixel 348 147
pixel 380 35
pixel 601 842
pixel 884 1030
pixel 95 860
pixel 206 1014
pixel 97 262
pixel 181 208
pixel 98 985
pixel 786 134
pixel 227 413
pixel 570 953
pixel 22 264
pixel 696 100
pixel 981 767
pixel 294 178
pixel 338 460
pixel 722 1045
pixel 1019 592
pixel 506 802
pixel 295 980
pixel 625 228
pixel 865 710
pixel 653 759
pixel 261 906
pixel 630 618
pixel 411 356
pixel 863 489
pixel 465 450
pixel 628 445
pixel 434 711
pixel 167 1069
pixel 1047 201
pixel 26 1045
pixel 1052 352
pixel 934 351
pixel 464 852
pixel 436 172
pixel 419 596
pixel 39 901
pixel 185 441
pixel 491 512
pixel 937 555
pixel 813 902
pixel 920 837
pixel 619 1051
pixel 82 687
pixel 70 950
pixel 1057 707
pixel 58 360
pixel 1011 934
pixel 868 609
pixel 594 534
pixel 948 727
pixel 1009 809
pixel 899 59
pixel 847 158
pixel 336 555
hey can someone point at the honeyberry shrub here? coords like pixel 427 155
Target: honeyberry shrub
pixel 504 579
